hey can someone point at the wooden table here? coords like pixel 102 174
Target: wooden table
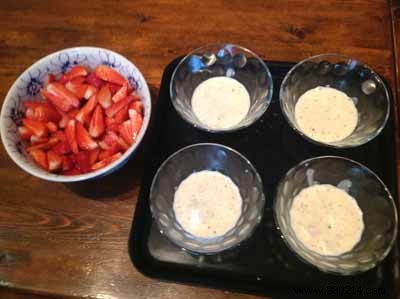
pixel 71 239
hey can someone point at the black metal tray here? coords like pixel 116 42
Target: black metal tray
pixel 263 264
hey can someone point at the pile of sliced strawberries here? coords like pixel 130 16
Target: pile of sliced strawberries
pixel 85 120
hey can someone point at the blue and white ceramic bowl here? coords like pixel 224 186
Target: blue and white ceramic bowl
pixel 28 86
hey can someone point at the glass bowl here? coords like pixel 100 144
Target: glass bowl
pixel 198 157
pixel 346 74
pixel 372 196
pixel 218 60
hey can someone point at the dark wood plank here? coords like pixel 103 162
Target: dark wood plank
pixel 71 239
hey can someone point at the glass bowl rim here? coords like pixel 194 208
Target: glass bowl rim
pixel 237 127
pixel 191 236
pixel 320 256
pixel 379 79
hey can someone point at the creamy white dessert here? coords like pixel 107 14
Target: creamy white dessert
pixel 220 102
pixel 326 114
pixel 326 219
pixel 207 204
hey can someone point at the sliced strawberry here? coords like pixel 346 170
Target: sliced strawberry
pixel 52 127
pixel 121 115
pixel 38 140
pixel 112 140
pixel 67 163
pixel 115 107
pixel 77 89
pixel 70 132
pixel 83 138
pixel 110 75
pixel 90 91
pixel 39 156
pixel 78 80
pixel 30 113
pixel 46 145
pixel 50 78
pixel 92 79
pixel 46 113
pixel 24 133
pixel 121 93
pixel 138 106
pixel 113 87
pixel 104 96
pixel 137 121
pixel 73 171
pixel 125 130
pixel 96 127
pixel 36 127
pixel 87 109
pixel 56 100
pixel 82 161
pixel 60 91
pixel 76 71
pixel 62 147
pixel 93 156
pixel 31 104
pixel 54 161
pixel 106 161
pixel 63 79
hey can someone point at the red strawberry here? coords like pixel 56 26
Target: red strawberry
pixel 67 163
pixel 87 109
pixel 96 127
pixel 90 91
pixel 38 140
pixel 104 96
pixel 76 71
pixel 82 161
pixel 106 161
pixel 31 104
pixel 60 91
pixel 83 138
pixel 121 93
pixel 45 145
pixel 36 127
pixel 125 130
pixel 24 133
pixel 54 161
pixel 77 89
pixel 78 80
pixel 56 100
pixel 121 115
pixel 46 113
pixel 137 121
pixel 92 79
pixel 62 148
pixel 50 78
pixel 93 156
pixel 138 106
pixel 39 156
pixel 115 107
pixel 70 132
pixel 52 127
pixel 113 87
pixel 110 75
pixel 63 79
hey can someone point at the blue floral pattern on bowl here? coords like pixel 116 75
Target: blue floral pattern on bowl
pixel 28 85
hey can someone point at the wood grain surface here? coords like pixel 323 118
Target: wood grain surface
pixel 70 240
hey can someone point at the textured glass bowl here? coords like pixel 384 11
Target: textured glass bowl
pixel 354 78
pixel 198 157
pixel 372 196
pixel 221 60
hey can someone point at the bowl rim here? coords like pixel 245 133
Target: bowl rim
pixel 230 129
pixel 234 244
pixel 80 177
pixel 379 79
pixel 300 255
